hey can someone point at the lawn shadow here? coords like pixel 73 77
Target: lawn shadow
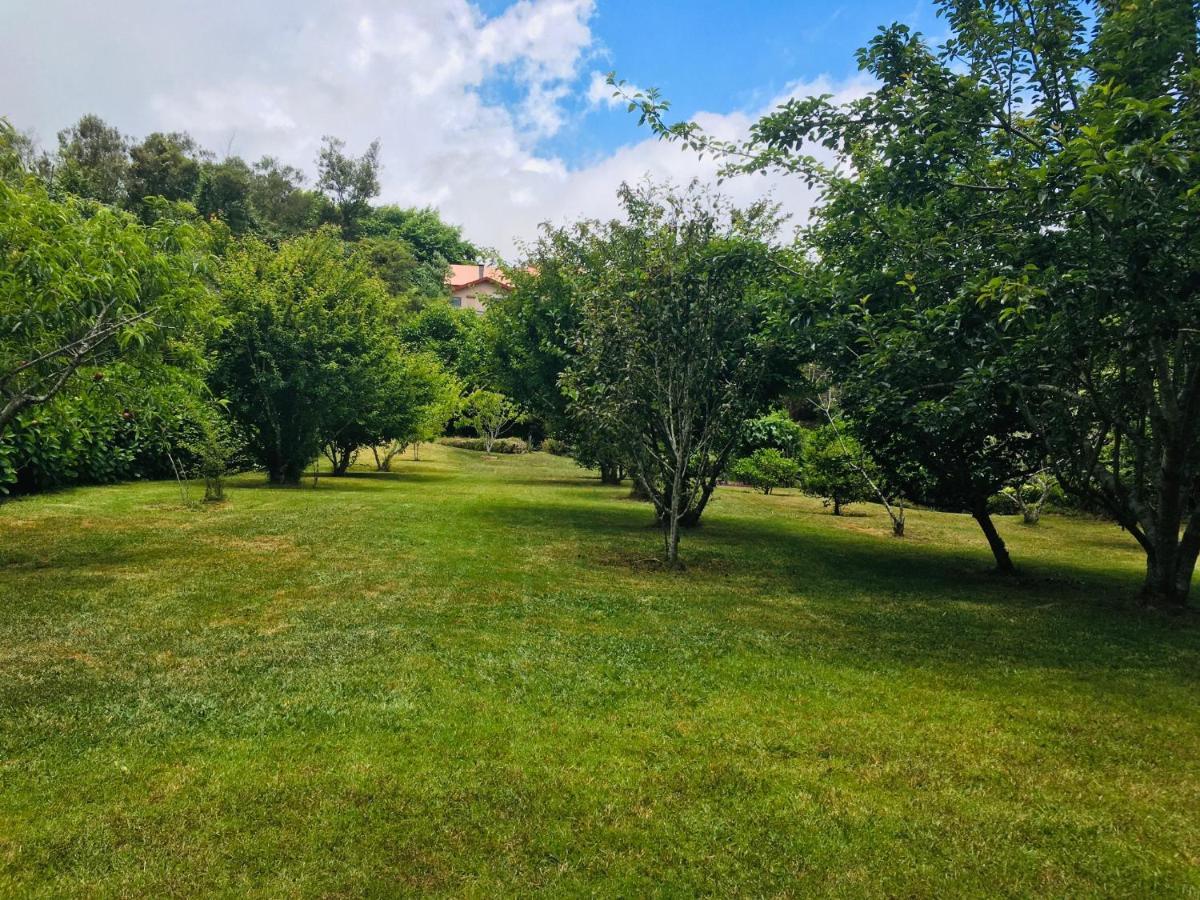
pixel 884 600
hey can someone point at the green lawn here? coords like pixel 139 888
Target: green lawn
pixel 470 677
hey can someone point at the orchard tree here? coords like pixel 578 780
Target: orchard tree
pixel 836 468
pixel 82 286
pixel 490 413
pixel 1058 142
pixel 673 343
pixel 309 329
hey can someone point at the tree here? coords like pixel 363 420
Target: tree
pixel 490 413
pixel 672 348
pixel 163 165
pixel 836 468
pixel 82 286
pixel 1066 133
pixel 283 207
pixel 348 181
pixel 223 192
pixel 93 160
pixel 766 469
pixel 309 330
pixel 434 242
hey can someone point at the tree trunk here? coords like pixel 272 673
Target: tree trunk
pixel 1004 563
pixel 837 506
pixel 1170 565
pixel 610 473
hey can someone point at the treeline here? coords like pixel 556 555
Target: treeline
pixel 165 313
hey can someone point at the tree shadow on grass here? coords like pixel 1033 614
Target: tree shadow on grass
pixel 879 600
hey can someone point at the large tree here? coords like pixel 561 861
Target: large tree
pixel 163 165
pixel 349 182
pixel 309 330
pixel 93 160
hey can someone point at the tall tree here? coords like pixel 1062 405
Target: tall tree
pixel 93 160
pixel 310 331
pixel 163 165
pixel 350 182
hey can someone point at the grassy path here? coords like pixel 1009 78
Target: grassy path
pixel 468 677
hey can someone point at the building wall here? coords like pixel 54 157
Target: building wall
pixel 475 296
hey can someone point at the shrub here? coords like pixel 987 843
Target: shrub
pixel 766 470
pixel 499 445
pixel 777 430
pixel 556 447
pixel 834 467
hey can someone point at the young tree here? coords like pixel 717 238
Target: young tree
pixel 81 287
pixel 348 181
pixel 309 329
pixel 490 413
pixel 672 347
pixel 766 469
pixel 836 468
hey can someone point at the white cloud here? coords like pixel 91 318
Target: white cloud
pixel 425 78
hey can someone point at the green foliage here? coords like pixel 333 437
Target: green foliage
pixel 163 165
pixel 672 341
pixel 766 469
pixel 556 447
pixel 310 344
pixel 454 336
pixel 93 161
pixel 836 467
pixel 281 204
pixel 223 192
pixel 83 286
pixel 349 182
pixel 434 242
pixel 776 430
pixel 490 413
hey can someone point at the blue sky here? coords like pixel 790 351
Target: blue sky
pixel 487 110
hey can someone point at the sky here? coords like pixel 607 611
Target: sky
pixel 493 111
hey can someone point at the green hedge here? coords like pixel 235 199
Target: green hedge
pixel 500 445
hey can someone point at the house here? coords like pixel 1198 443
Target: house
pixel 471 285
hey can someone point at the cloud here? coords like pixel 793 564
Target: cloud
pixel 461 102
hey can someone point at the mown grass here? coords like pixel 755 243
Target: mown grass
pixel 469 677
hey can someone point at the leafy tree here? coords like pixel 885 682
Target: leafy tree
pixel 163 165
pixel 82 286
pixel 223 192
pixel 455 336
pixel 310 330
pixel 396 264
pixel 775 430
pixel 283 207
pixel 433 241
pixel 766 469
pixel 672 342
pixel 349 182
pixel 490 413
pixel 1059 141
pixel 836 468
pixel 93 160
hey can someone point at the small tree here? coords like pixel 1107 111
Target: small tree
pixel 834 468
pixel 490 413
pixel 1030 494
pixel 766 469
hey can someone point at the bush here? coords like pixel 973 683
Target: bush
pixel 500 445
pixel 766 469
pixel 556 447
pixel 775 430
pixel 834 466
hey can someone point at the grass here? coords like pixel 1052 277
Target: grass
pixel 469 677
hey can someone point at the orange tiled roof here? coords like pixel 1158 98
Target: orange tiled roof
pixel 464 275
